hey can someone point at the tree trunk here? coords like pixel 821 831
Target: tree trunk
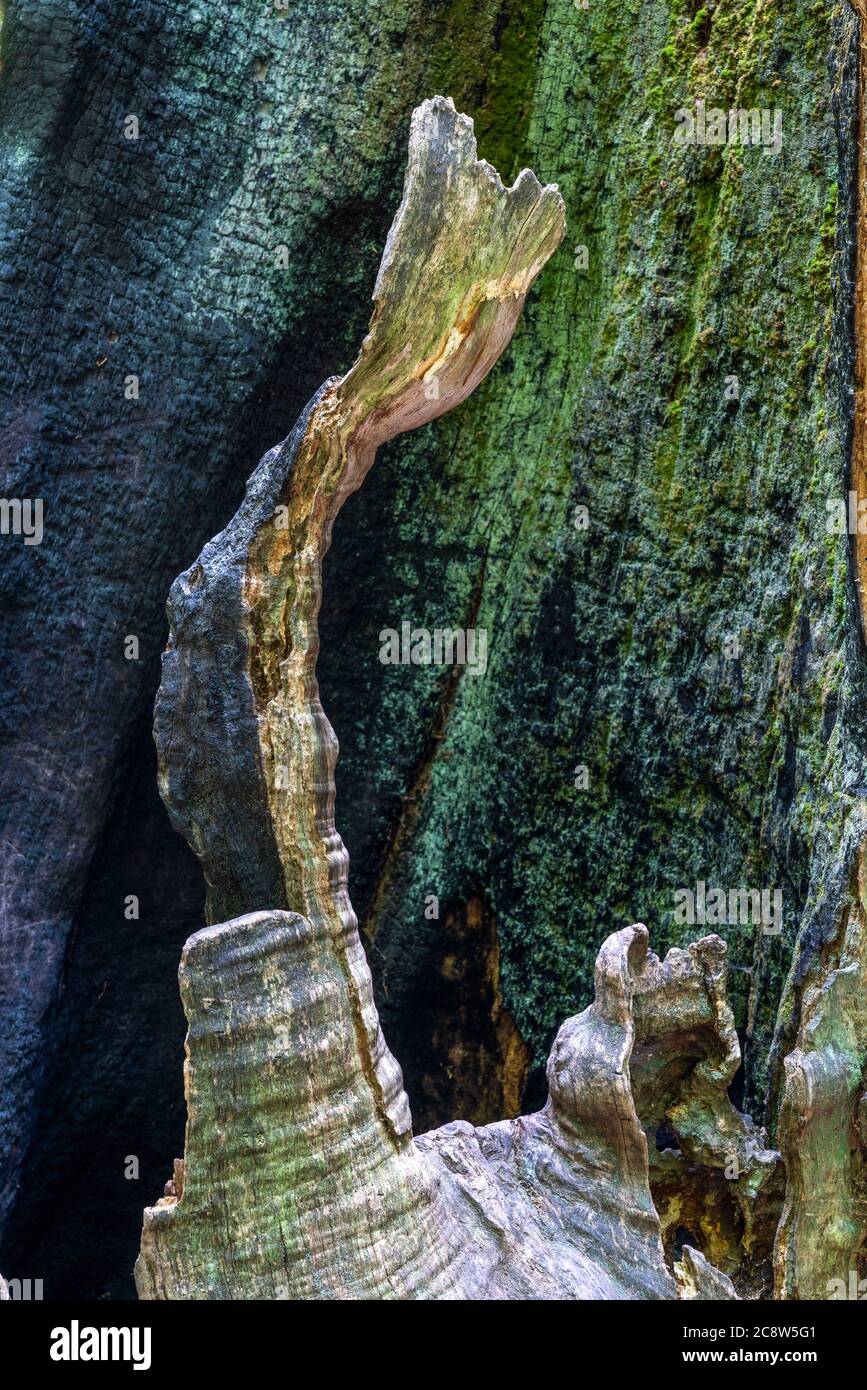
pixel 693 381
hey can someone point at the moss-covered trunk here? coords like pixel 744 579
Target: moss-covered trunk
pixel 689 638
pixel 684 372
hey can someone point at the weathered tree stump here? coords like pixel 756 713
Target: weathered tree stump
pixel 301 1177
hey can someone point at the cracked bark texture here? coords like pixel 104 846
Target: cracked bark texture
pixel 821 1240
pixel 707 518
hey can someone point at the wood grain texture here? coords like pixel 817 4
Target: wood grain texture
pixel 293 1186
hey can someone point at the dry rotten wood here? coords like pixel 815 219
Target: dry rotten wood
pixel 696 1279
pixel 295 1184
pixel 714 1174
pixel 246 753
pixel 823 1116
pixel 301 1177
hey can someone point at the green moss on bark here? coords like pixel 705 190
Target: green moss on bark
pixel 707 521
